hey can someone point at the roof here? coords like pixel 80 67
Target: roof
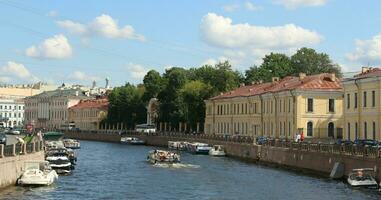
pixel 92 103
pixel 319 82
pixel 372 72
pixel 75 93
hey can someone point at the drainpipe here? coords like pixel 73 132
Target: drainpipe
pixel 359 112
pixel 277 128
pixel 294 111
pixel 262 126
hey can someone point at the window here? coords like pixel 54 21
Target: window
pixel 289 105
pixel 331 130
pixel 309 129
pixel 310 105
pixel 373 98
pixel 255 107
pixel 349 131
pixel 355 100
pixel 280 105
pixel 280 128
pixel 364 99
pixel 374 130
pixel 331 105
pixel 365 130
pixel 289 128
pixel 348 101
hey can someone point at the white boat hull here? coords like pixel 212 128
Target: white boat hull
pixel 37 177
pixel 212 152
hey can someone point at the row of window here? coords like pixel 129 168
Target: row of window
pixel 364 97
pixel 237 128
pixel 365 130
pixel 85 113
pixel 283 128
pixel 10 115
pixel 245 108
pixel 11 107
pixel 53 103
pixel 29 115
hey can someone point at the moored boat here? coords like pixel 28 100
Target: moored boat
pixel 161 156
pixel 71 143
pixel 132 140
pixel 362 178
pixel 217 150
pixel 199 148
pixel 59 161
pixel 177 145
pixel 37 173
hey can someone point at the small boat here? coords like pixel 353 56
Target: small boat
pixel 60 162
pixel 37 173
pixel 132 140
pixel 161 156
pixel 52 135
pixel 177 145
pixel 71 143
pixel 199 148
pixel 69 153
pixel 362 178
pixel 217 150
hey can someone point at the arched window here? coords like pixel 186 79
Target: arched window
pixel 310 129
pixel 331 130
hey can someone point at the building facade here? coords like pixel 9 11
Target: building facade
pixel 50 109
pixel 362 109
pixel 11 112
pixel 88 114
pixel 311 105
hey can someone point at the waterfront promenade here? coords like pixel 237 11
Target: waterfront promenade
pixel 310 157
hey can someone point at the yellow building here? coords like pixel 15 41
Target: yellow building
pixel 311 105
pixel 89 113
pixel 362 109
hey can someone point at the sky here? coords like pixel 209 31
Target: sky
pixel 81 41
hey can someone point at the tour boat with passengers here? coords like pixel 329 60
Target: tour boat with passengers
pixel 362 178
pixel 161 156
pixel 217 150
pixel 37 173
pixel 199 148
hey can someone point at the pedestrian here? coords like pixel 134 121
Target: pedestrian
pixel 298 137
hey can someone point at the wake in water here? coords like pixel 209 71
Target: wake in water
pixel 176 165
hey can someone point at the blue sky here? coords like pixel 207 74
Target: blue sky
pixel 81 41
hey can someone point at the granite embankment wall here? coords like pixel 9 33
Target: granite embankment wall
pixel 12 167
pixel 297 159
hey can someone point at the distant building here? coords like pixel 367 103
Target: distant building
pixel 88 114
pixel 362 105
pixel 311 105
pixel 11 112
pixel 50 109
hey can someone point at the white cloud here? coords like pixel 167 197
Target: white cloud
pixel 219 31
pixel 212 61
pixel 230 8
pixel 252 7
pixel 137 71
pixel 56 47
pixel 52 13
pixel 103 25
pixel 82 76
pixel 293 4
pixel 13 70
pixel 367 51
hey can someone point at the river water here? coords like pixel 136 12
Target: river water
pixel 117 171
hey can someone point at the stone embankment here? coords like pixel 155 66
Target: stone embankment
pixel 13 158
pixel 309 157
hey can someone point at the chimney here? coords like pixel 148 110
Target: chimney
pixel 253 83
pixel 332 76
pixel 76 93
pixel 242 84
pixel 260 81
pixel 302 76
pixel 364 69
pixel 275 79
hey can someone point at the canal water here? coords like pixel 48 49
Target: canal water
pixel 117 171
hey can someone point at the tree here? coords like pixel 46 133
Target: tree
pixel 308 61
pixel 273 65
pixel 193 95
pixel 153 84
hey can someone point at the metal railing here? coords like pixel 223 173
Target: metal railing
pixel 20 149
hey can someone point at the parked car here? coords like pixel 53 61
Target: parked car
pixel 3 139
pixel 343 142
pixel 367 142
pixel 261 140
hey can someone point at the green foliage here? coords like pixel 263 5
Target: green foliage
pixel 153 84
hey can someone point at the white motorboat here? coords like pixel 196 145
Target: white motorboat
pixel 199 148
pixel 37 173
pixel 217 150
pixel 60 162
pixel 132 140
pixel 177 145
pixel 362 178
pixel 161 156
pixel 71 143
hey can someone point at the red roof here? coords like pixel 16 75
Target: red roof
pixel 371 72
pixel 91 103
pixel 325 82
